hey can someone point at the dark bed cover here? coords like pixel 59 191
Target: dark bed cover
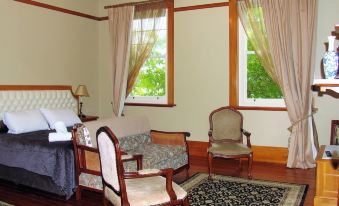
pixel 33 152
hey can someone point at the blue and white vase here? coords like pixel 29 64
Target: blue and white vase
pixel 330 60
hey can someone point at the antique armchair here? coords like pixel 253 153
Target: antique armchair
pixel 226 137
pixel 144 187
pixel 88 175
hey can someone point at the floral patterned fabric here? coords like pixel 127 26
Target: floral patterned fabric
pixel 83 135
pixel 155 156
pixel 90 180
pixel 131 142
pixel 159 156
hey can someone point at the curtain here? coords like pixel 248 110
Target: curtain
pixel 120 21
pixel 290 31
pixel 144 36
pixel 251 17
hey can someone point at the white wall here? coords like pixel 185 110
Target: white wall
pixel 41 46
pixel 84 6
pixel 200 74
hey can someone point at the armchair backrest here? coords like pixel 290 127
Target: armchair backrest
pixel 81 138
pixel 122 126
pixel 110 163
pixel 226 124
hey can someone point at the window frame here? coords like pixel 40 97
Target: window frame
pixel 243 58
pixel 234 63
pixel 170 64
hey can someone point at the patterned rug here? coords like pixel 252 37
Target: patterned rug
pixel 231 191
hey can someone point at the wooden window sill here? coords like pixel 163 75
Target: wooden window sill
pixel 149 105
pixel 261 108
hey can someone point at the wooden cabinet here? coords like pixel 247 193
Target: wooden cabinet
pixel 327 181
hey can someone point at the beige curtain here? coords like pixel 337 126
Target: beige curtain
pixel 120 21
pixel 144 37
pixel 251 17
pixel 290 26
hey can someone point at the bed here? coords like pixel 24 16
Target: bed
pixel 29 158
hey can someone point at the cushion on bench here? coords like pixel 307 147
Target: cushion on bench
pixel 133 141
pixel 159 156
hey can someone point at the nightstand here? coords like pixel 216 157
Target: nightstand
pixel 88 118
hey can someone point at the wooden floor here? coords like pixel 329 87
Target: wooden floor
pixel 22 196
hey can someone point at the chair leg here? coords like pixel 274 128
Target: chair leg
pixel 78 194
pixel 210 158
pixel 186 202
pixel 187 174
pixel 240 165
pixel 250 159
pixel 105 201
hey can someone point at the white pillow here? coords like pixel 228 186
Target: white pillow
pixel 65 115
pixel 25 121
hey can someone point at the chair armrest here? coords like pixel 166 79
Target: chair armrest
pixel 86 148
pixel 89 161
pixel 248 136
pixel 138 157
pixel 169 138
pixel 168 173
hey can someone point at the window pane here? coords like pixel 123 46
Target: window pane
pixel 151 80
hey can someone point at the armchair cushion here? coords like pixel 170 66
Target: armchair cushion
pixel 159 156
pixel 133 141
pixel 146 191
pixel 229 149
pixel 90 180
pixel 122 126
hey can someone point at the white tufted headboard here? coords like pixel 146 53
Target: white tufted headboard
pixel 27 97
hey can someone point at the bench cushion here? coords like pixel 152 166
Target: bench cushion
pixel 133 141
pixel 159 156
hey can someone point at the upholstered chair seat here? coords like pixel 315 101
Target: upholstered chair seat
pixel 229 149
pixel 90 180
pixel 94 181
pixel 141 188
pixel 146 191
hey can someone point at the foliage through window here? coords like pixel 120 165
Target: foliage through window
pixel 151 83
pixel 256 87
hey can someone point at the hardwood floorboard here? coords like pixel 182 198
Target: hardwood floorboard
pixel 23 196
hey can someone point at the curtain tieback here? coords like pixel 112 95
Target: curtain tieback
pixel 314 110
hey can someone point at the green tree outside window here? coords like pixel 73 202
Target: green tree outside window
pixel 259 83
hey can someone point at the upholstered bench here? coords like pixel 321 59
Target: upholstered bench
pixel 159 149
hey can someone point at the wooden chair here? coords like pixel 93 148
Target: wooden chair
pixel 88 176
pixel 145 187
pixel 226 137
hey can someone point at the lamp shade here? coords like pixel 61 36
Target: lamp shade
pixel 82 91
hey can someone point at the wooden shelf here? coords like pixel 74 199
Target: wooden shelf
pixel 322 85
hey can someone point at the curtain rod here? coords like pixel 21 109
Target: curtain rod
pixel 133 3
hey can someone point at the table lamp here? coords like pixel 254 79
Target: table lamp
pixel 81 92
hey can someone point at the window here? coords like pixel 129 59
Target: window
pixel 154 84
pixel 256 87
